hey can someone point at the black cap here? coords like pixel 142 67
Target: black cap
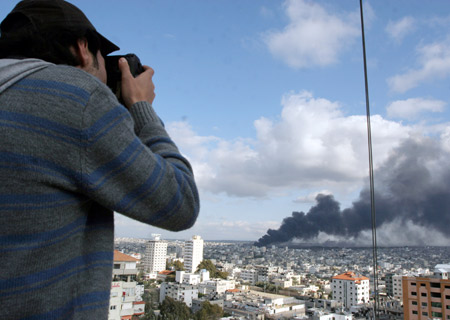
pixel 49 14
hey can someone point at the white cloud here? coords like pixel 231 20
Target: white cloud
pixel 311 198
pixel 242 230
pixel 312 145
pixel 412 108
pixel 313 35
pixel 434 64
pixel 399 29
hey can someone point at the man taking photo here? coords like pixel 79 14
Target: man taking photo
pixel 71 155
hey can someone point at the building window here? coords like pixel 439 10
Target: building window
pixel 413 283
pixel 435 284
pixel 423 294
pixel 414 303
pixel 424 304
pixel 116 265
pixel 423 285
pixel 436 314
pixel 112 308
pixel 436 305
pixel 425 313
pixel 435 294
pixel 413 293
pixel 414 312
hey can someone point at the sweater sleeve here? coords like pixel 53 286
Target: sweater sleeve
pixel 131 165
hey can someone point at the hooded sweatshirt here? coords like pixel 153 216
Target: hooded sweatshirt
pixel 13 70
pixel 71 155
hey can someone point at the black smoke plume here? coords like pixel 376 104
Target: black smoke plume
pixel 413 185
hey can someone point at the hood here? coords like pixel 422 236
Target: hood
pixel 13 70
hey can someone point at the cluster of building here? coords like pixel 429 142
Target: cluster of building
pixel 275 283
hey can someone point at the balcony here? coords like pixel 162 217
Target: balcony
pixel 127 272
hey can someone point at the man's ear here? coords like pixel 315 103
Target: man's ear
pixel 82 52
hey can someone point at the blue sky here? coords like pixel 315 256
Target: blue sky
pixel 266 99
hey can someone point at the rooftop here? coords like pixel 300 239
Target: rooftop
pixel 119 256
pixel 350 276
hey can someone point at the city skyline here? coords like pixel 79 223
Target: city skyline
pixel 266 99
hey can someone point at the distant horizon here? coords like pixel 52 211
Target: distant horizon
pixel 305 245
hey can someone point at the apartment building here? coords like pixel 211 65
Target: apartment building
pixel 123 303
pixel 394 286
pixel 192 278
pixel 427 297
pixel 155 255
pixel 179 292
pixel 249 276
pixel 350 289
pixel 193 253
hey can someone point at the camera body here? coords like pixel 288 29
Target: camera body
pixel 115 76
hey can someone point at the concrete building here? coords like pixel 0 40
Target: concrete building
pixel 179 292
pixel 191 278
pixel 350 289
pixel 427 297
pixel 325 315
pixel 389 284
pixel 123 301
pixel 394 286
pixel 193 254
pixel 260 305
pixel 216 286
pixel 155 255
pixel 249 276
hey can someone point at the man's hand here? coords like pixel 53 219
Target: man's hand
pixel 136 89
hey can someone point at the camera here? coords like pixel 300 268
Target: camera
pixel 115 76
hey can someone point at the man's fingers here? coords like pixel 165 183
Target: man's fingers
pixel 149 68
pixel 124 68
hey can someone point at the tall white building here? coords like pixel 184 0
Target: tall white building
pixel 155 255
pixel 193 253
pixel 350 289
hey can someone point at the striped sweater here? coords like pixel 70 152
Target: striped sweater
pixel 70 155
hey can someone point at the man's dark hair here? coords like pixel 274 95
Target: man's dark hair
pixel 20 40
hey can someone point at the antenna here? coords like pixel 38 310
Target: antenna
pixel 372 185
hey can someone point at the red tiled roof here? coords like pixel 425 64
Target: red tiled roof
pixel 119 256
pixel 349 276
pixel 166 272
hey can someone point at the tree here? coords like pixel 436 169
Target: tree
pixel 213 272
pixel 174 310
pixel 147 316
pixel 268 287
pixel 209 312
pixel 140 277
pixel 177 265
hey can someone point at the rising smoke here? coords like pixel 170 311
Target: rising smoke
pixel 411 187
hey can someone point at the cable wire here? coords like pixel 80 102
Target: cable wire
pixel 372 184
